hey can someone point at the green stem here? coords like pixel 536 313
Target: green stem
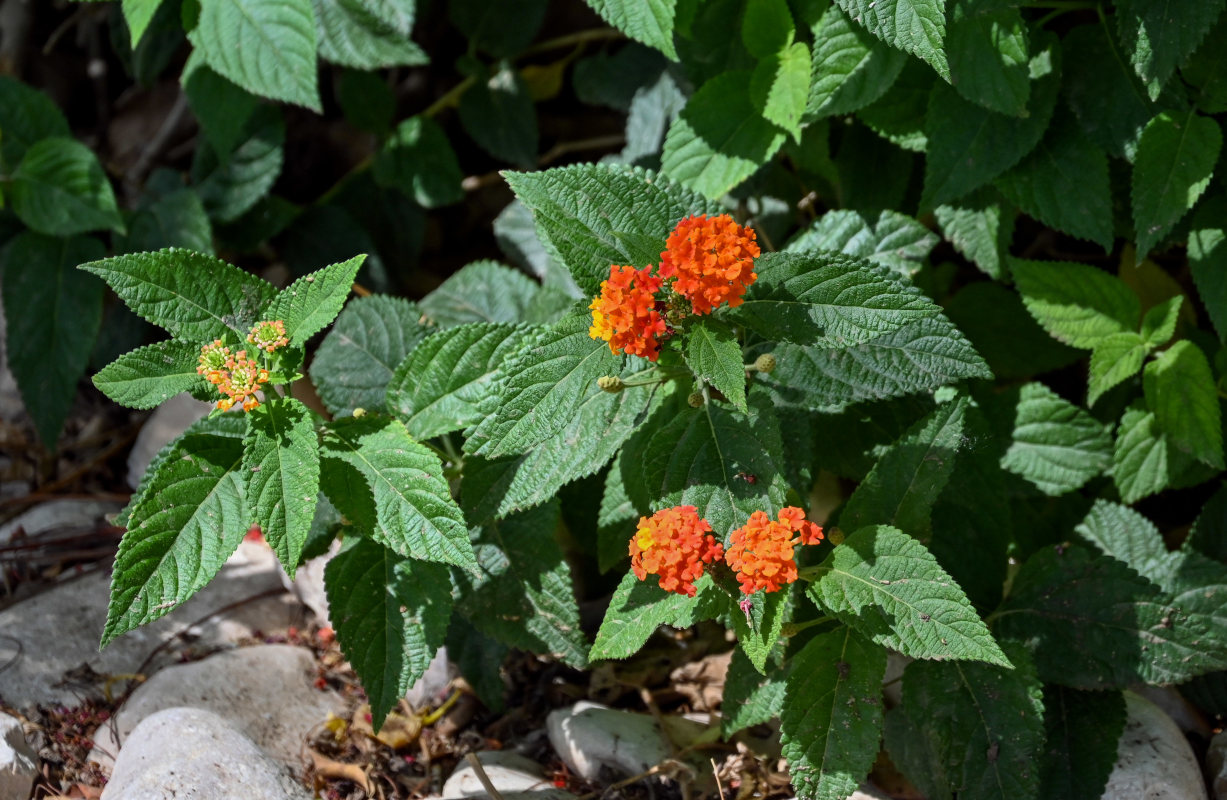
pixel 573 39
pixel 1066 5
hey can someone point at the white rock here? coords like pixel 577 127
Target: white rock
pixel 192 754
pixel 57 631
pixel 1153 760
pixel 308 584
pixel 267 692
pixel 1216 765
pixel 1182 712
pixel 169 420
pixel 512 774
pixel 56 515
pixel 18 761
pixel 590 736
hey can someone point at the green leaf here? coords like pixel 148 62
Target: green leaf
pixel 222 108
pixel 1106 96
pixel 1157 39
pixel 60 189
pixel 418 160
pixel 187 523
pixel 647 21
pixel 980 226
pixel 750 698
pixel 851 68
pixel 914 26
pixel 1057 445
pixel 1159 324
pixel 1145 462
pixel 1208 259
pixel 524 597
pixel 831 724
pixel 985 724
pixel 282 459
pixel 483 291
pixel 1206 71
pixel 1209 533
pixel 436 389
pixel 700 457
pixel 391 615
pixel 714 355
pixel 901 488
pixel 590 216
pixel 356 360
pixel 1130 538
pixel 914 752
pixel 720 138
pixel 498 113
pixel 1077 304
pixel 26 116
pixel 407 506
pixel 311 303
pixel 888 587
pixel 1175 161
pixel 230 187
pixel 919 357
pixel 151 375
pixel 827 300
pixel 545 383
pixel 1064 184
pixel 1115 358
pixel 997 323
pixel 779 87
pixel 1181 392
pixel 195 297
pixel 268 48
pixel 970 145
pixel 501 29
pixel 653 109
pixel 1082 730
pixel 758 627
pixel 899 114
pixel 174 219
pixel 895 240
pixel 397 13
pixel 638 608
pixel 767 27
pixel 138 14
pixel 350 34
pixel 52 317
pixel 987 47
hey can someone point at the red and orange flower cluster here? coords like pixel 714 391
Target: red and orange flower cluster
pixel 676 544
pixel 710 263
pixel 236 376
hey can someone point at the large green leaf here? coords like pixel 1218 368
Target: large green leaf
pixel 647 21
pixel 1209 533
pixel 391 615
pixel 26 116
pixel 498 113
pixel 195 297
pixel 780 85
pixel 436 389
pixel 750 698
pixel 893 240
pixel 356 360
pixel 1082 731
pixel 265 46
pixel 713 353
pixel 888 587
pixel 189 520
pixel 1011 341
pixel 151 375
pixel 418 160
pixel 914 26
pixel 831 724
pixel 1077 304
pixel 1181 392
pixel 311 303
pixel 638 608
pixel 351 34
pixel 406 504
pixel 899 115
pixel 281 456
pixel 483 291
pixel 524 597
pixel 231 185
pixel 720 138
pixel 60 189
pixel 52 317
pixel 851 68
pixel 1116 358
pixel 1104 93
pixel 1158 37
pixel 174 218
pixel 1208 259
pixel 986 44
pixel 222 108
pixel 1057 445
pixel 985 724
pixel 1175 160
pixel 501 29
pixel 138 14
pixel 1145 460
pixel 980 226
pixel 901 488
pixel 827 300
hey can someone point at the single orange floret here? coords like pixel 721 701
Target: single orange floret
pixel 761 551
pixel 625 315
pixel 674 543
pixel 711 260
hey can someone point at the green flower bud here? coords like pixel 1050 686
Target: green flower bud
pixel 765 363
pixel 610 383
pixel 695 400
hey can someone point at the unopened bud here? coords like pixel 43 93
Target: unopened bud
pixel 359 412
pixel 695 400
pixel 610 383
pixel 765 362
pixel 835 535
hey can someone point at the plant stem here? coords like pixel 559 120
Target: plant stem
pixel 573 39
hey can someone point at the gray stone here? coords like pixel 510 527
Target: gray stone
pixel 1153 759
pixel 308 584
pixel 165 424
pixel 267 692
pixel 590 737
pixel 1182 712
pixel 56 515
pixel 513 775
pixel 55 633
pixel 193 754
pixel 18 761
pixel 1216 765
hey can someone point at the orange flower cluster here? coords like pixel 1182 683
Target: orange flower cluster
pixel 710 261
pixel 268 335
pixel 674 543
pixel 235 375
pixel 625 313
pixel 761 551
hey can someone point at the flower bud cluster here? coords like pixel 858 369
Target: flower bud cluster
pixel 236 376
